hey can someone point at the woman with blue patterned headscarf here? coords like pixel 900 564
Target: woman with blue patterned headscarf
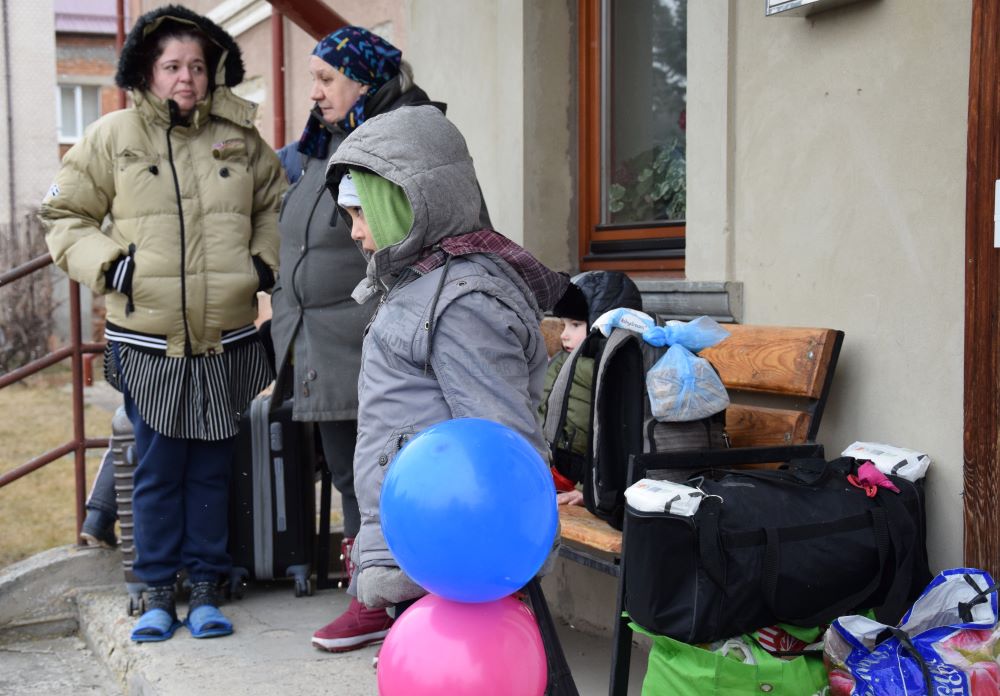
pixel 356 75
pixel 316 326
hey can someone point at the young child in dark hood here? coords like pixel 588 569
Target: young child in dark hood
pixel 456 333
pixel 588 296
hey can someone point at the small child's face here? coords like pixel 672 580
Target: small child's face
pixel 360 232
pixel 572 334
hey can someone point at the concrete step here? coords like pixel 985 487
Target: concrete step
pixel 54 666
pixel 269 653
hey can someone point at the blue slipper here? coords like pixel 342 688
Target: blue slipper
pixel 208 622
pixel 154 626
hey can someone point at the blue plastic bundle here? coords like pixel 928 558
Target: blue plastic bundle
pixel 681 385
pixel 695 335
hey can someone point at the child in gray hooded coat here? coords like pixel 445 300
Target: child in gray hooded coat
pixel 456 333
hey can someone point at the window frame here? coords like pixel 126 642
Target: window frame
pixel 77 109
pixel 596 240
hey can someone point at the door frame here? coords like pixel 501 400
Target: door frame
pixel 981 419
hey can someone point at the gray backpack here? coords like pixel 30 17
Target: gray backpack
pixel 623 425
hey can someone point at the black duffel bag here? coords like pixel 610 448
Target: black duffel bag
pixel 797 545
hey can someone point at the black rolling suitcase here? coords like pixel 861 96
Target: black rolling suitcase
pixel 272 501
pixel 124 459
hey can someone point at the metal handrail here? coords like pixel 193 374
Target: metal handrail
pixel 75 352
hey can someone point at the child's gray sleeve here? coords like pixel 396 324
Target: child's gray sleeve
pixel 479 358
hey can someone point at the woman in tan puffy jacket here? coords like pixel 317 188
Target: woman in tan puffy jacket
pixel 170 209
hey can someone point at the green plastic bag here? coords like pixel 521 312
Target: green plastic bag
pixel 679 669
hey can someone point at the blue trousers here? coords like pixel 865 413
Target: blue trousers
pixel 180 504
pixel 102 494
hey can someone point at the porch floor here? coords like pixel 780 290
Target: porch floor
pixel 269 653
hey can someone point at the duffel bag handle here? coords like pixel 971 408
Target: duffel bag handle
pixel 848 605
pixel 801 472
pixel 815 470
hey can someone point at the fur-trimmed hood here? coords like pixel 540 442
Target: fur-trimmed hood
pixel 131 67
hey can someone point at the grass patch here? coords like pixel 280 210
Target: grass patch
pixel 37 511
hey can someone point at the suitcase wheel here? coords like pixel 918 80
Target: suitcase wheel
pixel 136 604
pixel 303 587
pixel 237 584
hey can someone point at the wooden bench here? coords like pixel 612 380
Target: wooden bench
pixel 778 380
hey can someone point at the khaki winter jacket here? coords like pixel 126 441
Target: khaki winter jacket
pixel 192 203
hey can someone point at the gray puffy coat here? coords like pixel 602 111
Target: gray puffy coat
pixel 315 324
pixel 482 346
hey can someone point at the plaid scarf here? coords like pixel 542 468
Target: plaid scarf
pixel 547 285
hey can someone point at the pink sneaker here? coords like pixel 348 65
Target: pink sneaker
pixel 355 628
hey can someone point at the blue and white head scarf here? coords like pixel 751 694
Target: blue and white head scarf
pixel 362 56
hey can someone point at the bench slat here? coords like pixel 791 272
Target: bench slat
pixel 578 525
pixel 774 360
pixel 759 426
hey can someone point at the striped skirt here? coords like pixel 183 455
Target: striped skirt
pixel 196 398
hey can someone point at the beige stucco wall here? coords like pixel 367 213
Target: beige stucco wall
pixel 839 200
pixel 470 54
pixel 550 218
pixel 29 149
pixel 34 156
pixel 506 68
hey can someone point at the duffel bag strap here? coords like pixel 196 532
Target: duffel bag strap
pixel 801 472
pixel 772 570
pixel 710 542
pixel 905 543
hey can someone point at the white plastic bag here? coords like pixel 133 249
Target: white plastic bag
pixel 624 318
pixel 649 495
pixel 895 461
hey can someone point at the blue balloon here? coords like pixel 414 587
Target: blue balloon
pixel 469 510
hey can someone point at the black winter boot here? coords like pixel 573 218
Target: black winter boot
pixel 204 592
pixel 161 597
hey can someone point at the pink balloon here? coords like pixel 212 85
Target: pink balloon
pixel 442 647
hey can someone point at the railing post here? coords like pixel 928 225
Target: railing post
pixel 278 75
pixel 79 435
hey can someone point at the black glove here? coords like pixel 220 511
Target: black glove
pixel 265 275
pixel 119 274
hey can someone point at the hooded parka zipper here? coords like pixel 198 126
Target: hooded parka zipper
pixel 175 120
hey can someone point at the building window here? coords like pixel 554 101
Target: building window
pixel 77 106
pixel 633 94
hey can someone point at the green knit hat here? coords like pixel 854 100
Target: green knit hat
pixel 386 208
